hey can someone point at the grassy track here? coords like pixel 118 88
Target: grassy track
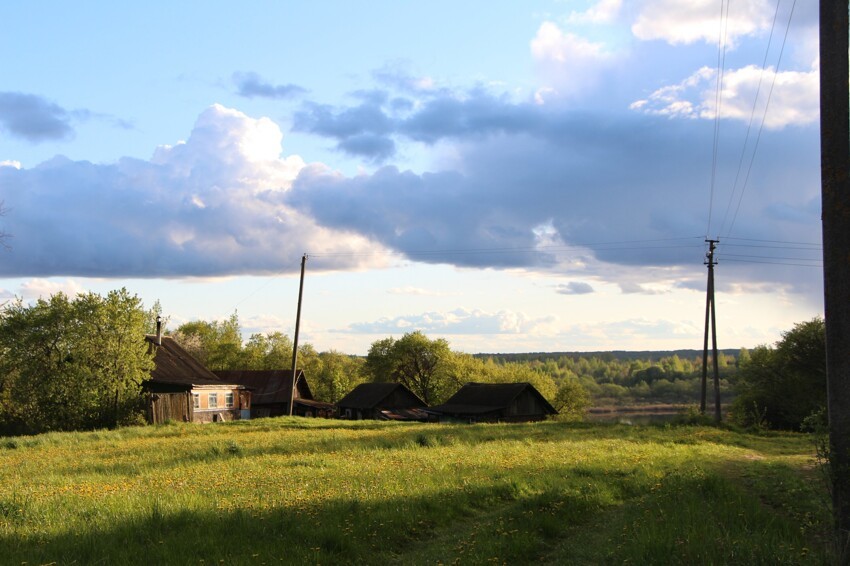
pixel 300 491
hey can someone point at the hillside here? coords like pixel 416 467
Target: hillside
pixel 303 491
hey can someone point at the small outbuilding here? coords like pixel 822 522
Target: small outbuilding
pixel 270 392
pixel 493 402
pixel 182 389
pixel 382 401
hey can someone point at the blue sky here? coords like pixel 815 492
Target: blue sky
pixel 512 176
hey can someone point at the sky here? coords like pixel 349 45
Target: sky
pixel 510 176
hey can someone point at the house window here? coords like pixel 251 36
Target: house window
pixel 213 400
pixel 196 400
pixel 228 400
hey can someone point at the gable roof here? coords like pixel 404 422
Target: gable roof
pixel 372 395
pixel 174 365
pixel 478 398
pixel 269 386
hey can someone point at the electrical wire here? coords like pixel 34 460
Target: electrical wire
pixel 764 116
pixel 718 100
pixel 752 117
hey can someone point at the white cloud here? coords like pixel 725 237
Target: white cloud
pixel 603 12
pixel 570 63
pixel 552 44
pixel 415 291
pixel 10 163
pixel 211 206
pixel 459 322
pixel 678 22
pixel 793 101
pixel 44 288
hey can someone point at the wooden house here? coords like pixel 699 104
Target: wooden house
pixel 383 401
pixel 270 391
pixel 494 402
pixel 182 389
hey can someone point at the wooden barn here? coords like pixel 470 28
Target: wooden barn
pixel 383 401
pixel 183 389
pixel 494 402
pixel 270 390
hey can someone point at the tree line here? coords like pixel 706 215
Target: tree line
pixel 78 363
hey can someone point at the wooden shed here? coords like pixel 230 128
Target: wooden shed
pixel 182 389
pixel 494 402
pixel 270 390
pixel 383 401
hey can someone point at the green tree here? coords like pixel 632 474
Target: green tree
pixel 414 360
pixel 217 344
pixel 72 364
pixel 782 386
pixel 571 400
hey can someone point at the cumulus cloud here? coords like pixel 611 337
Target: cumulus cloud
pixel 794 97
pixel 214 205
pixel 44 288
pixel 679 22
pixel 602 12
pixel 574 288
pixel 33 118
pixel 251 85
pixel 458 322
pixel 571 63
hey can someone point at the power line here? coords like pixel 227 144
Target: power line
pixel 752 117
pixel 718 99
pixel 764 116
pixel 776 263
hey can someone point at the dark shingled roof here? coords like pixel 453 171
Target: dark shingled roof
pixel 177 366
pixel 479 398
pixel 269 386
pixel 371 395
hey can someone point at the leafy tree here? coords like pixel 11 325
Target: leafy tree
pixel 217 344
pixel 780 387
pixel 414 360
pixel 339 374
pixel 72 364
pixel 571 400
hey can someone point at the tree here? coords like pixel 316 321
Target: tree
pixel 571 400
pixel 782 386
pixel 72 364
pixel 339 374
pixel 217 344
pixel 415 361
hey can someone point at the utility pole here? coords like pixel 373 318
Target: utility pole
pixel 835 215
pixel 295 345
pixel 710 322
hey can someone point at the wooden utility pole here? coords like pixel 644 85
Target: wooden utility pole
pixel 295 344
pixel 710 322
pixel 835 206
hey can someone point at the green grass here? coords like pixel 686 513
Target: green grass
pixel 298 491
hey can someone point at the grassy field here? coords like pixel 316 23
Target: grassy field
pixel 301 491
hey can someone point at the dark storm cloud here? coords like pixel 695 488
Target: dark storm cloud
pixel 631 189
pixel 251 85
pixel 33 118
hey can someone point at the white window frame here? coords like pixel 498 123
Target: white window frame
pixel 196 400
pixel 212 400
pixel 228 400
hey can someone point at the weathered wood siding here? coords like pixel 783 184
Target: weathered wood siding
pixel 163 407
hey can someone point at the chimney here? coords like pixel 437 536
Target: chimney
pixel 158 330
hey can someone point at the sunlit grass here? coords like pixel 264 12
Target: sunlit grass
pixel 311 491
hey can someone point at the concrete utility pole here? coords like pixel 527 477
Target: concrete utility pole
pixel 710 318
pixel 295 344
pixel 835 195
